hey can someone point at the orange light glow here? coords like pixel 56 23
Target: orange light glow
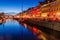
pixel 44 14
pixel 33 15
pixel 17 16
pixel 58 14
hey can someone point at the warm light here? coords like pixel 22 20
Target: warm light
pixel 57 14
pixel 33 15
pixel 44 14
pixel 17 16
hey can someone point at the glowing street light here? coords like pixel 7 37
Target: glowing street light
pixel 44 14
pixel 18 16
pixel 58 14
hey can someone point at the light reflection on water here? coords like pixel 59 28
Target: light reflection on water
pixel 12 30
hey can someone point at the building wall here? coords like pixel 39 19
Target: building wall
pixel 53 6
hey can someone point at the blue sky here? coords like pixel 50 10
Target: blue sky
pixel 16 5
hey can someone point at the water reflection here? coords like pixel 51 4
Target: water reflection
pixel 38 33
pixel 12 30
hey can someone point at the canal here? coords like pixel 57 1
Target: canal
pixel 12 30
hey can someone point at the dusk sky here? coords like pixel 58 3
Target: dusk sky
pixel 16 5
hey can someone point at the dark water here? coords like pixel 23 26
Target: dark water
pixel 12 30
